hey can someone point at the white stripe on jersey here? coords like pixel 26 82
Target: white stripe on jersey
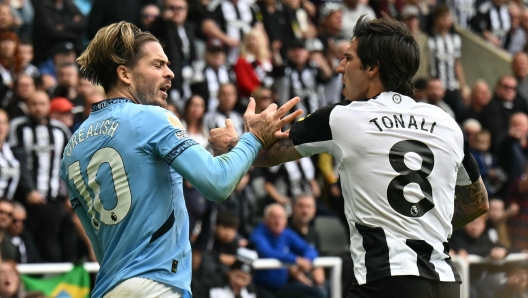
pixel 9 172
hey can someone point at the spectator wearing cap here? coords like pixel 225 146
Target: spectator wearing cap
pixel 278 21
pixel 173 29
pixel 57 21
pixel 330 25
pixel 229 21
pixel 272 239
pixel 61 110
pixel 215 74
pixel 238 280
pixel 303 77
pixel 352 10
pixel 410 15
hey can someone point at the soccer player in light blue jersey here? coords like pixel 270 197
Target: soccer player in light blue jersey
pixel 124 167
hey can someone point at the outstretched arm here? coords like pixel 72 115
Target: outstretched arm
pixel 471 201
pixel 280 152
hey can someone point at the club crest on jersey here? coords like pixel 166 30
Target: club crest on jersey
pixel 174 121
pixel 414 210
pixel 396 98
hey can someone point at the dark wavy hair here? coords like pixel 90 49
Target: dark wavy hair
pixel 388 43
pixel 116 44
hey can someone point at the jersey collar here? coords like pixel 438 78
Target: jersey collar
pixel 107 102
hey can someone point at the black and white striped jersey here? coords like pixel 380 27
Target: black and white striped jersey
pixel 217 119
pixel 43 146
pixel 445 50
pixel 9 172
pixel 399 162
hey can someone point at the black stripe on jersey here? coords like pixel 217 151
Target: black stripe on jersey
pixel 315 127
pixel 376 252
pixel 51 158
pixel 450 263
pixel 423 251
pixel 469 162
pixel 165 227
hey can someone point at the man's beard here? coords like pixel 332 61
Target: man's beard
pixel 145 100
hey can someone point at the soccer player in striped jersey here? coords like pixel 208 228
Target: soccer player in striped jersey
pixel 407 175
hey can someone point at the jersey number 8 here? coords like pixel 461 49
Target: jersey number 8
pixel 121 186
pixel 395 191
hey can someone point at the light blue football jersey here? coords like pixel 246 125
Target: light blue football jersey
pixel 123 168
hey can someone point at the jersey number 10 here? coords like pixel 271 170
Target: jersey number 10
pixel 122 188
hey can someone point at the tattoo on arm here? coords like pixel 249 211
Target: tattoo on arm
pixel 281 144
pixel 471 201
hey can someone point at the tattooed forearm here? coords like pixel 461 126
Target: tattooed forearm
pixel 471 201
pixel 281 144
pixel 281 151
pixel 232 144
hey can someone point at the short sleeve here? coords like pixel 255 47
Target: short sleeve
pixel 313 134
pixel 162 133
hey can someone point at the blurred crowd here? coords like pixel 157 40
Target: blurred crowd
pixel 222 52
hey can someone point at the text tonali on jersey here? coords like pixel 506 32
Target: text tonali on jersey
pixel 399 162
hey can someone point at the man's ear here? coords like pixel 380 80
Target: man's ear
pixel 373 70
pixel 123 74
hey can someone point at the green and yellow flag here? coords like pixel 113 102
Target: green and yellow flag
pixel 73 284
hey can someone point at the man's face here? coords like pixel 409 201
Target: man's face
pixel 225 234
pixel 150 78
pixel 179 10
pixel 238 280
pixel 39 106
pixel 7 48
pixel 26 51
pixel 334 20
pixel 496 209
pixel 435 91
pixel 68 76
pixel 6 215
pixel 507 89
pixel 355 78
pixel 482 142
pixel 443 22
pixel 227 96
pixel 25 87
pixel 264 100
pixel 298 56
pixel 6 18
pixel 215 59
pixel 85 88
pixel 481 94
pixel 304 209
pixel 276 220
pixel 18 224
pixel 520 66
pixel 519 122
pixel 63 58
pixel 475 228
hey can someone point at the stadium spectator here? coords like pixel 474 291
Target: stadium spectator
pixel 279 22
pixel 178 35
pixel 492 21
pixel 26 53
pixel 334 86
pixel 227 97
pixel 92 94
pixel 518 224
pixel 516 284
pixel 61 110
pixel 273 239
pixel 21 238
pixel 9 165
pixel 38 143
pixel 330 25
pixel 497 217
pixel 226 239
pixel 7 250
pixel 10 59
pixel 513 152
pixel 215 74
pixel 238 280
pixel 263 98
pixel 193 120
pixel 479 98
pixel 463 11
pixel 62 53
pixel 10 282
pixel 56 22
pixel 352 10
pixel 8 22
pixel 303 77
pixel 445 61
pixel 493 176
pixel 410 16
pixel 68 84
pixel 519 67
pixel 301 13
pixel 516 36
pixel 24 11
pixel 229 21
pixel 303 213
pixel 254 66
pixel 496 115
pixel 149 13
pixel 24 87
pixel 436 94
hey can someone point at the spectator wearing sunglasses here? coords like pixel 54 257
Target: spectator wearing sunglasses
pixel 21 238
pixel 7 250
